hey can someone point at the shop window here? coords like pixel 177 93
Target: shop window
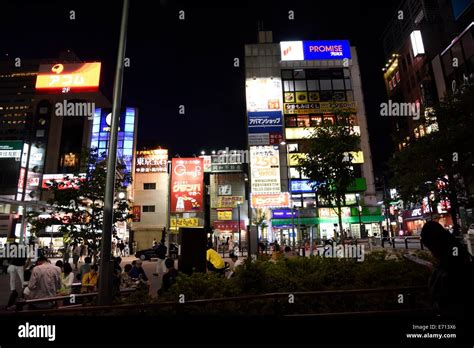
pixel 326 95
pixel 300 85
pixel 69 160
pixel 288 86
pixel 149 186
pixel 287 75
pixel 313 85
pixel 303 121
pixel 338 84
pixel 299 74
pixel 316 121
pixel 290 121
pixel 148 208
pixel 325 85
pixel 329 119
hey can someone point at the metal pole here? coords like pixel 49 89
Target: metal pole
pixel 292 226
pixel 168 221
pixel 238 218
pixel 105 283
pixel 300 236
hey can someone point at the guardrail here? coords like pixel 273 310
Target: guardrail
pixel 274 301
pixel 406 241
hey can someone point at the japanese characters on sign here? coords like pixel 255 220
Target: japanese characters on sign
pixel 270 200
pixel 228 201
pixel 184 222
pixel 265 169
pixel 151 161
pixel 68 77
pixel 318 108
pixel 187 185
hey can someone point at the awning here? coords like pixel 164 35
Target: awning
pixel 367 219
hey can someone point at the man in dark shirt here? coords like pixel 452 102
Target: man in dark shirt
pixel 137 272
pixel 169 278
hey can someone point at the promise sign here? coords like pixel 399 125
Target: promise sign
pixel 187 185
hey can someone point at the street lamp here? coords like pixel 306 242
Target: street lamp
pixel 238 222
pixel 203 152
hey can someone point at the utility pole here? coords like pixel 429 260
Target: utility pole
pixel 105 284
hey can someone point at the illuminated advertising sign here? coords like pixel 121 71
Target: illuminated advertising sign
pixel 318 108
pixel 228 201
pixel 232 225
pixel 331 213
pixel 283 213
pixel 224 215
pixel 207 163
pixel 301 186
pixel 265 169
pixel 65 181
pixel 270 200
pixel 187 185
pixel 78 77
pixel 126 135
pixel 417 43
pixel 11 149
pixel 263 94
pixel 184 222
pixel 265 122
pixel 151 161
pixel 136 211
pixel 315 50
pixel 21 179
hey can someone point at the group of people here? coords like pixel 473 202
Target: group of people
pixel 216 264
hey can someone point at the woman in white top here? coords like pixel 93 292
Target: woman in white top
pixel 67 277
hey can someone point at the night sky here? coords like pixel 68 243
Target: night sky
pixel 190 62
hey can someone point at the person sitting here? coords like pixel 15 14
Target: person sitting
pixel 85 268
pixel 214 261
pixel 289 253
pixel 89 280
pixel 125 280
pixel 169 278
pixel 138 273
pixel 236 262
pixel 67 277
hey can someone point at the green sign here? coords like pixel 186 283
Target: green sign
pixel 11 149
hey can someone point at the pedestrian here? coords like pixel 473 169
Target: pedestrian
pixel 121 248
pixel 16 266
pixel 161 254
pixel 452 280
pixel 89 280
pixel 76 254
pixel 385 238
pixel 126 281
pixel 138 273
pixel 169 278
pixel 288 253
pixel 236 262
pixel 67 278
pixel 135 247
pixel 114 248
pixel 45 281
pixel 67 253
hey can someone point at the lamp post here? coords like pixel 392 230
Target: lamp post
pixel 105 281
pixel 238 221
pixel 292 225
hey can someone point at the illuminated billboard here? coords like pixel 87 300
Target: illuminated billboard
pixel 77 77
pixel 265 169
pixel 64 181
pixel 187 185
pixel 315 50
pixel 270 200
pixel 151 161
pixel 126 135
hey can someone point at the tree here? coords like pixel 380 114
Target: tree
pixel 77 203
pixel 259 220
pixel 328 161
pixel 441 161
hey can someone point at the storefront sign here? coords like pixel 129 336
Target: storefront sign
pixel 65 181
pixel 277 200
pixel 301 186
pixel 228 201
pixel 228 225
pixel 151 161
pixel 331 212
pixel 187 185
pixel 265 121
pixel 11 149
pixel 136 211
pixel 68 77
pixel 283 213
pixel 263 94
pixel 207 163
pixel 315 50
pixel 184 222
pixel 318 108
pixel 265 169
pixel 226 167
pixel 224 215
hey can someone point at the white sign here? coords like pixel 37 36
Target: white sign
pixel 10 153
pixel 265 169
pixel 256 139
pixel 292 50
pixel 264 94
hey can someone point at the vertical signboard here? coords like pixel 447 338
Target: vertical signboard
pixel 187 185
pixel 265 169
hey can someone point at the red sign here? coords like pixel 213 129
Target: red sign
pixel 187 185
pixel 232 225
pixel 21 179
pixel 65 181
pixel 136 210
pixel 69 77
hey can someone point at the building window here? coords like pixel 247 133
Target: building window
pixel 149 186
pixel 148 208
pixel 69 160
pixel 290 121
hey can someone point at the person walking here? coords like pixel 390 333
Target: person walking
pixel 161 250
pixel 76 254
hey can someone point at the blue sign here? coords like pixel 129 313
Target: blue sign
pixel 301 186
pixel 283 213
pixel 327 49
pixel 265 122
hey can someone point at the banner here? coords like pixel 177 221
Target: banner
pixel 276 200
pixel 265 169
pixel 318 108
pixel 184 222
pixel 136 210
pixel 187 185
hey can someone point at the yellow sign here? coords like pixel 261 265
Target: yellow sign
pixel 224 215
pixel 318 107
pixel 184 222
pixel 228 201
pixel 357 157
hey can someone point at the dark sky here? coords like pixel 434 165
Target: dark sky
pixel 190 62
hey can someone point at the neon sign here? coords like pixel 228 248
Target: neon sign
pixel 68 77
pixel 315 50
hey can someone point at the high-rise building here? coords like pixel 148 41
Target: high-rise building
pixel 291 87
